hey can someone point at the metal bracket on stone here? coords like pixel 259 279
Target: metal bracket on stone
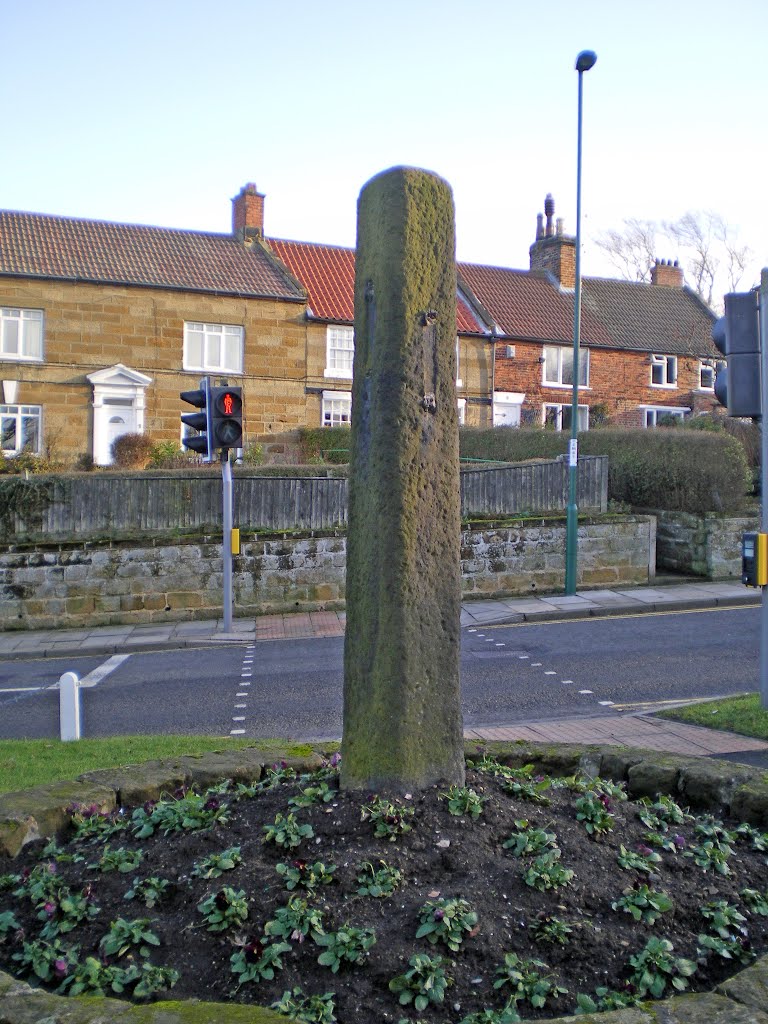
pixel 428 403
pixel 429 355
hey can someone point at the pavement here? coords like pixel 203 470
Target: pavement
pixel 633 729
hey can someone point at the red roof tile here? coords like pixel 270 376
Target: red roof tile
pixel 328 274
pixel 64 248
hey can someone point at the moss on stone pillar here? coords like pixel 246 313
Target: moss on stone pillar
pixel 402 713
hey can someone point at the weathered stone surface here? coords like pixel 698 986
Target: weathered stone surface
pixel 750 986
pixel 402 711
pixel 649 777
pixel 16 832
pixel 712 784
pixel 47 805
pixel 750 802
pixel 135 784
pixel 615 762
pixel 22 1004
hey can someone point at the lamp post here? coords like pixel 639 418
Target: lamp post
pixel 585 60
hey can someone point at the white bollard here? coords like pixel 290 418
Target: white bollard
pixel 69 707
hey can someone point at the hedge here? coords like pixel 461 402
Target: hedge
pixel 674 469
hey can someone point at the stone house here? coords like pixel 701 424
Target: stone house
pixel 102 325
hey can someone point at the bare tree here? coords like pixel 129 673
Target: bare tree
pixel 707 247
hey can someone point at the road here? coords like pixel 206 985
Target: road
pixel 293 688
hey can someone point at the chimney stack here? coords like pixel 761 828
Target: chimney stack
pixel 248 213
pixel 553 250
pixel 667 274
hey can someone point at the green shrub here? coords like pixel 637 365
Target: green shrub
pixel 325 444
pixel 678 470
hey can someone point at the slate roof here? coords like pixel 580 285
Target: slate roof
pixel 650 318
pixel 100 252
pixel 328 274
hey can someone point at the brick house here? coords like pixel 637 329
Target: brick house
pixel 102 325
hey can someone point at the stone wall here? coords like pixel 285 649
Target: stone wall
pixel 708 545
pixel 72 585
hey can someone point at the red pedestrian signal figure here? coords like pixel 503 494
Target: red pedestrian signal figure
pixel 226 417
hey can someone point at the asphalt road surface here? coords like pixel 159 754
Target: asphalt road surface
pixel 293 688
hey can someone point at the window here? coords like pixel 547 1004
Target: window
pixel 662 415
pixel 20 428
pixel 459 381
pixel 340 352
pixel 462 411
pixel 21 333
pixel 706 376
pixel 213 347
pixel 664 371
pixel 337 408
pixel 558 417
pixel 558 366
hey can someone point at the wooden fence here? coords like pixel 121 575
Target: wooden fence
pixel 95 506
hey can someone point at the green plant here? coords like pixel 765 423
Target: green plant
pixel 295 921
pixel 122 860
pixel 93 826
pixel 546 872
pixel 125 935
pixel 378 882
pixel 301 874
pixel 227 908
pixel 48 961
pixel 257 960
pixel 43 883
pixel 594 812
pixel 755 901
pixel 165 454
pixel 664 841
pixel 550 929
pixel 446 921
pixel 644 859
pixel 347 945
pixel 605 999
pixel 92 977
pixel 390 820
pixel 65 911
pixel 150 891
pixel 526 981
pixel 321 792
pixel 655 967
pixel 506 1015
pixel 659 814
pixel 425 982
pixel 644 904
pixel 713 831
pixel 522 784
pixel 734 947
pixel 757 840
pixel 529 841
pixel 253 454
pixel 462 800
pixel 216 864
pixel 711 856
pixel 286 831
pixel 307 1009
pixel 189 811
pixel 724 918
pixel 8 923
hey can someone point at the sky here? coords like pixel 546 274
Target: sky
pixel 159 111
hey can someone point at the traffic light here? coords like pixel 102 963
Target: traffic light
pixel 200 421
pixel 737 336
pixel 226 417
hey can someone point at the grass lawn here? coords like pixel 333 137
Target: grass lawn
pixel 743 715
pixel 27 763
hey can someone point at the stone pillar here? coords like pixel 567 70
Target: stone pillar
pixel 402 713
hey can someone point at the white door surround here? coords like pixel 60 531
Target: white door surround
pixel 507 406
pixel 119 402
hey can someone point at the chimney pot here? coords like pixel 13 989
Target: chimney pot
pixel 549 210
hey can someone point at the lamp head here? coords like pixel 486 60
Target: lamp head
pixel 585 60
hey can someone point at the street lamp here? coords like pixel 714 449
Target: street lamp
pixel 585 60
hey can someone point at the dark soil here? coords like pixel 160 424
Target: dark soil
pixel 442 857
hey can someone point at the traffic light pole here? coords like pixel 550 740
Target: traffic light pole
pixel 226 552
pixel 763 474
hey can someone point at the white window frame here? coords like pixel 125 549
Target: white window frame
pixel 20 413
pixel 336 409
pixel 462 404
pixel 667 370
pixel 21 320
pixel 459 381
pixel 651 413
pixel 339 352
pixel 213 335
pixel 559 353
pixel 708 368
pixel 560 408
